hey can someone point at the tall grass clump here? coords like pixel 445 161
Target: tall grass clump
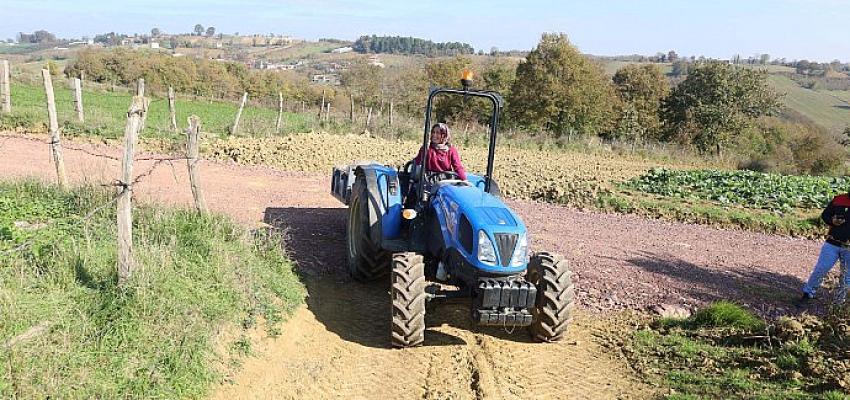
pixel 68 331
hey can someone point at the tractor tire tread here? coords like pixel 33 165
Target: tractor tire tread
pixel 372 262
pixel 408 299
pixel 555 296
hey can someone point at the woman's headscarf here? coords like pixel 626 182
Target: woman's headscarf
pixel 444 129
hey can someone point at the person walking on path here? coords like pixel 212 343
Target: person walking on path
pixel 835 248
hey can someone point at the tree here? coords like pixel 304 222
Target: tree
pixel 211 31
pixel 40 36
pixel 558 89
pixel 199 29
pixel 155 32
pixel 715 103
pixel 680 68
pixel 366 82
pixel 764 59
pixel 672 56
pixel 641 88
pixel 446 73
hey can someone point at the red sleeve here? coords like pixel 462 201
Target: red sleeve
pixel 457 166
pixel 418 159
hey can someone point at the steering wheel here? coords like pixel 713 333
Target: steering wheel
pixel 434 177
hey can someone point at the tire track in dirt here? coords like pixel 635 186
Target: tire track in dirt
pixel 337 345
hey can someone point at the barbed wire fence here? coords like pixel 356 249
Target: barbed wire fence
pixel 124 185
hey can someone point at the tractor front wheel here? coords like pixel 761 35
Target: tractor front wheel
pixel 408 299
pixel 555 295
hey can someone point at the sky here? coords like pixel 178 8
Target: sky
pixel 794 29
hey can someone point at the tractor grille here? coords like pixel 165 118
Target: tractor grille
pixel 505 243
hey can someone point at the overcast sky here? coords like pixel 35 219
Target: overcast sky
pixel 796 29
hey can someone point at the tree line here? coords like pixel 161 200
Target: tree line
pixel 409 45
pixel 555 92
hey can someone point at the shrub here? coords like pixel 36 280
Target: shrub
pixel 724 314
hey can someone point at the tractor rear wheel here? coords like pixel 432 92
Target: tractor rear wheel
pixel 555 294
pixel 408 298
pixel 366 260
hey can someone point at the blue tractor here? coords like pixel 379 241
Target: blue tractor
pixel 431 231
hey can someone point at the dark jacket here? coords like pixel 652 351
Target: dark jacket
pixel 839 206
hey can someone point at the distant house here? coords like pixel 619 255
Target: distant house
pixel 154 45
pixel 374 60
pixel 326 79
pixel 342 50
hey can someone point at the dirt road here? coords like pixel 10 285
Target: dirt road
pixel 336 346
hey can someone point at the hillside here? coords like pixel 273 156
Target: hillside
pixel 829 109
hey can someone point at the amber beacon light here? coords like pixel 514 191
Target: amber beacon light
pixel 466 78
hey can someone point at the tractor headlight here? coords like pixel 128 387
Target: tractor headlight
pixel 520 257
pixel 486 250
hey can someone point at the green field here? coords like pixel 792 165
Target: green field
pixel 824 108
pixel 612 66
pixel 106 111
pixel 199 283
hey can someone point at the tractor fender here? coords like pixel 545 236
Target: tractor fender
pixel 384 199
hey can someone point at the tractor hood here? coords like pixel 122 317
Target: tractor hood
pixel 482 209
pixel 468 211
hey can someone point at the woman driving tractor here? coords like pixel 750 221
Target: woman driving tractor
pixel 442 156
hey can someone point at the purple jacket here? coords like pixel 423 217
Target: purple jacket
pixel 442 161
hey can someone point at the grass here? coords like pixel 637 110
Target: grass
pixel 725 352
pixel 195 278
pixel 612 66
pixel 18 48
pixel 106 112
pixel 821 107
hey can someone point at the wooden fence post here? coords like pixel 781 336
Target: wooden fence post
pixel 5 86
pixel 303 107
pixel 239 114
pixel 140 91
pixel 322 107
pixel 55 146
pixel 351 110
pixel 279 111
pixel 391 112
pixel 135 116
pixel 368 119
pixel 78 99
pixel 328 112
pixel 171 109
pixel 192 150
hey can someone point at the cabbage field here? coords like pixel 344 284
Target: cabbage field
pixel 748 189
